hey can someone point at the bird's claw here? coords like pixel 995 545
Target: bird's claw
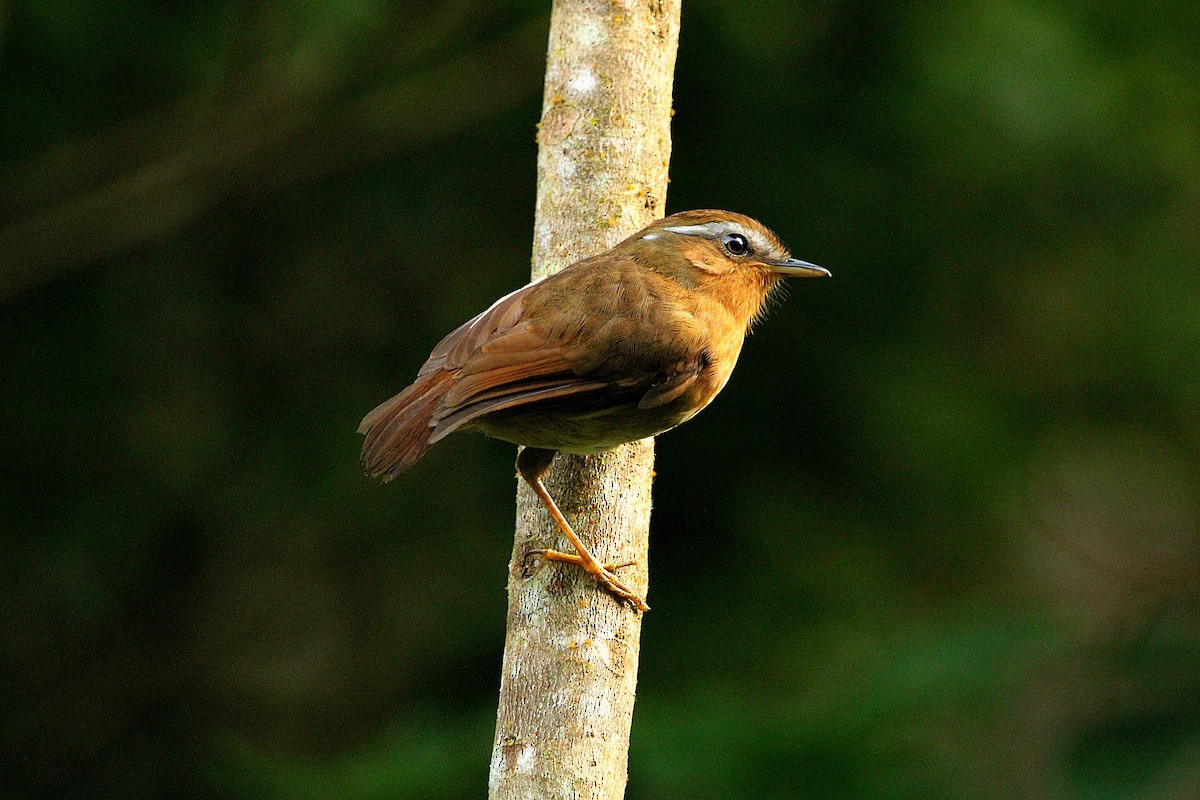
pixel 601 573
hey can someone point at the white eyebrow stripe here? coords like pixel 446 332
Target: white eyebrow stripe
pixel 707 229
pixel 760 243
pixel 649 236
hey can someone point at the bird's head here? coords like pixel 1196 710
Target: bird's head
pixel 731 256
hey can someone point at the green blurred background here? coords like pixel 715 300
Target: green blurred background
pixel 940 537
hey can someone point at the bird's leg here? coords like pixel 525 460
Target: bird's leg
pixel 532 464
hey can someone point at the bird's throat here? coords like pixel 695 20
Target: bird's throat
pixel 745 293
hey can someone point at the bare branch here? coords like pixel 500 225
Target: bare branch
pixel 571 655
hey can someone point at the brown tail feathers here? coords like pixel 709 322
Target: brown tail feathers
pixel 398 430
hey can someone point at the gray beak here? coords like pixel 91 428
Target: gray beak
pixel 795 268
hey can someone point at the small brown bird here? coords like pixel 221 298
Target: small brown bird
pixel 614 348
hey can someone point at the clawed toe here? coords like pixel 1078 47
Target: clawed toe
pixel 601 573
pixel 572 558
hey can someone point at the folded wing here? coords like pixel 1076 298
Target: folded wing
pixel 594 334
pixel 496 361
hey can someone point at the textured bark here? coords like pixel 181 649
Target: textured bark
pixel 571 654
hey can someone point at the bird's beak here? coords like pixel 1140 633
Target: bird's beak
pixel 795 268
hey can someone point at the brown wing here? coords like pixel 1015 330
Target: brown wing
pixel 571 335
pixel 673 386
pixel 495 361
pixel 457 346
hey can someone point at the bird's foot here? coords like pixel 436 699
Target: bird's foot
pixel 601 573
pixel 577 560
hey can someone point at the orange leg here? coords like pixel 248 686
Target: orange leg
pixel 532 464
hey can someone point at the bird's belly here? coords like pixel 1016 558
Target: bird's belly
pixel 583 432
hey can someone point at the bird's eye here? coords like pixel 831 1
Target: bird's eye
pixel 736 244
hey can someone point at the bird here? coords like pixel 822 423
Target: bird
pixel 614 348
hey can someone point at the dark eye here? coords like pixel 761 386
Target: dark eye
pixel 736 244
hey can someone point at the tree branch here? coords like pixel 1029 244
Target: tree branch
pixel 571 654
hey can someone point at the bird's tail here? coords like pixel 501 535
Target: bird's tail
pixel 398 430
